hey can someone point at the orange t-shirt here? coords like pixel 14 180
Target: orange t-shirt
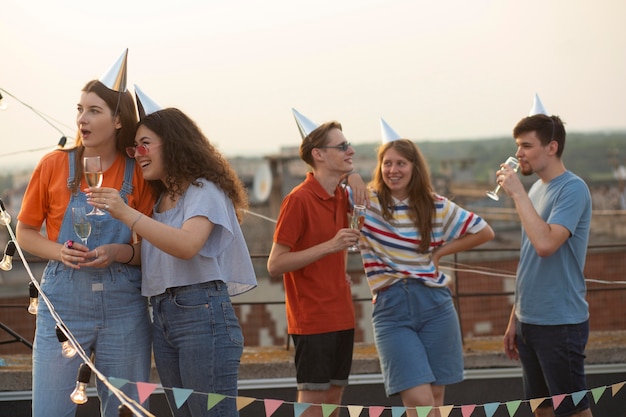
pixel 47 196
pixel 318 297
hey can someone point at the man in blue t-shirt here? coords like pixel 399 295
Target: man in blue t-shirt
pixel 549 324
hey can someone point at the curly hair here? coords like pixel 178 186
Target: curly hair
pixel 188 155
pixel 420 192
pixel 120 104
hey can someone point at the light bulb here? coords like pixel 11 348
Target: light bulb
pixel 7 259
pixel 123 411
pixel 3 104
pixel 79 395
pixel 67 349
pixel 33 293
pixel 5 217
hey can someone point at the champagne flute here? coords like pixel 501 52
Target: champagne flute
pixel 92 167
pixel 82 227
pixel 514 164
pixel 356 222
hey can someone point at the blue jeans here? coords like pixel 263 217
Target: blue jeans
pixel 417 335
pixel 198 345
pixel 104 309
pixel 553 362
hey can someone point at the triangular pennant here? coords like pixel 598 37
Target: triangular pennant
pixel 298 408
pixel 616 387
pixel 512 406
pixel 271 406
pixel 557 399
pixel 118 382
pixel 327 409
pixel 597 393
pixel 397 411
pixel 535 402
pixel 144 389
pixel 577 396
pixel 181 395
pixel 213 400
pixel 244 402
pixel 423 410
pixel 355 410
pixel 376 411
pixel 490 409
pixel 445 410
pixel 467 410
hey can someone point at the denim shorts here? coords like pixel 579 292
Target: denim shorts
pixel 323 359
pixel 552 360
pixel 417 335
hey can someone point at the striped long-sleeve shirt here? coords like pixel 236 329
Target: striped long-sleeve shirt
pixel 390 249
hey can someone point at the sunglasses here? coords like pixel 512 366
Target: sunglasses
pixel 142 150
pixel 342 147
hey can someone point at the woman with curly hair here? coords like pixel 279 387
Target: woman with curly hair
pixel 194 257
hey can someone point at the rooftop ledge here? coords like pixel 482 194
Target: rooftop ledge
pixel 277 362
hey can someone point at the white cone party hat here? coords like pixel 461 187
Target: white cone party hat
pixel 387 133
pixel 538 107
pixel 305 125
pixel 145 105
pixel 115 77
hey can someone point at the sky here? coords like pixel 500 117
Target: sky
pixel 434 70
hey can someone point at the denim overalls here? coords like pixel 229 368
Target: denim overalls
pixel 102 307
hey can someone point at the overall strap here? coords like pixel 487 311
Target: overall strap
pixel 129 170
pixel 71 158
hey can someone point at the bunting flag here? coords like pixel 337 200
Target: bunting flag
pixel 145 389
pixel 557 399
pixel 467 410
pixel 422 411
pixel 397 411
pixel 512 406
pixel 445 410
pixel 214 399
pixel 299 408
pixel 181 395
pixel 490 409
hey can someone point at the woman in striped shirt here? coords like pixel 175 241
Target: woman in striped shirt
pixel 408 228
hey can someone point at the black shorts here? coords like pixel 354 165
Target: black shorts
pixel 323 359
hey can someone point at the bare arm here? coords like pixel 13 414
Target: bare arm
pixel 282 259
pixel 465 242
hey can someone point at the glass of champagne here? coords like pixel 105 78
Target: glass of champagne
pixel 356 222
pixel 82 227
pixel 92 167
pixel 514 164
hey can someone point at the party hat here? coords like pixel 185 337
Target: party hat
pixel 387 133
pixel 537 107
pixel 115 77
pixel 145 104
pixel 305 125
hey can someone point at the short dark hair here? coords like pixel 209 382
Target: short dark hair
pixel 316 139
pixel 547 128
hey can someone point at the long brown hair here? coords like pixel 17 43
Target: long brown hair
pixel 121 105
pixel 420 192
pixel 188 155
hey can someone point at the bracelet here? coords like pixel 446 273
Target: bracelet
pixel 132 226
pixel 131 256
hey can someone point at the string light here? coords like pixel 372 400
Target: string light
pixel 45 118
pixel 67 349
pixel 7 259
pixel 5 217
pixel 79 395
pixel 33 293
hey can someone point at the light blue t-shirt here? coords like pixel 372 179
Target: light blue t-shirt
pixel 551 290
pixel 224 255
